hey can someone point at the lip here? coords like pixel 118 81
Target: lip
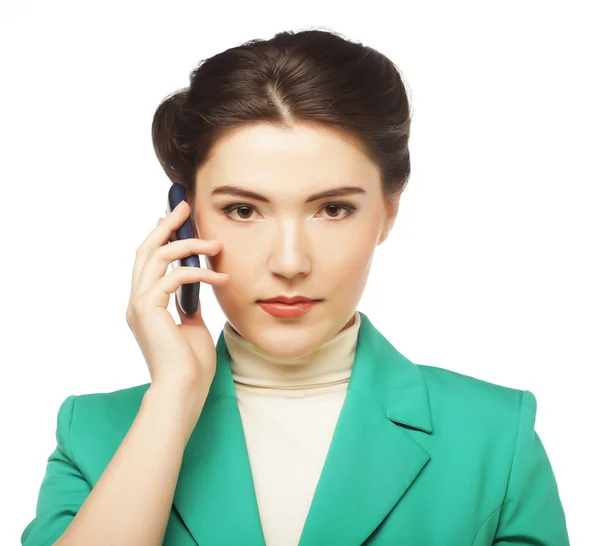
pixel 288 300
pixel 288 310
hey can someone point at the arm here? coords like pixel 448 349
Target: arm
pixel 132 500
pixel 532 512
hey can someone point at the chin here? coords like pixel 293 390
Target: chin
pixel 281 349
pixel 285 340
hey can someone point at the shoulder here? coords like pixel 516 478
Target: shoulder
pixel 90 415
pixel 118 399
pixel 90 427
pixel 482 404
pixel 454 386
pixel 107 404
pixel 476 421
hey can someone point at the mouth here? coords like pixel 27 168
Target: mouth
pixel 283 309
pixel 289 299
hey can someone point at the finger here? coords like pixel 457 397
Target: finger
pixel 161 291
pixel 159 236
pixel 138 265
pixel 157 264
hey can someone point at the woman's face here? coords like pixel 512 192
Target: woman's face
pixel 283 242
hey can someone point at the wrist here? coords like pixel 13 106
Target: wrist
pixel 181 403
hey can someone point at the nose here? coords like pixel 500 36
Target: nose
pixel 289 254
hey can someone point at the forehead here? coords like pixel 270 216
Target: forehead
pixel 306 156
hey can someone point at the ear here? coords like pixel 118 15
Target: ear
pixel 391 211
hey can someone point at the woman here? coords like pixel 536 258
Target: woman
pixel 303 425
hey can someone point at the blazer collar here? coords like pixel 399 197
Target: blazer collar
pixel 371 462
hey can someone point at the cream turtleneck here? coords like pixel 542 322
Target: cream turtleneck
pixel 289 410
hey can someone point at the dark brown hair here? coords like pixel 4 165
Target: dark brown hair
pixel 311 76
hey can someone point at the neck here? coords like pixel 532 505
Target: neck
pixel 329 363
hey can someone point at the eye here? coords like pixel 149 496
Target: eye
pixel 350 209
pixel 238 207
pixel 246 210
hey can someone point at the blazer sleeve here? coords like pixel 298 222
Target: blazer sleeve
pixel 63 489
pixel 532 512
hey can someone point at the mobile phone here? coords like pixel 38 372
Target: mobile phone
pixel 187 294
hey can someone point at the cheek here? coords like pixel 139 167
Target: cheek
pixel 235 258
pixel 356 257
pixel 356 265
pixel 355 247
pixel 340 258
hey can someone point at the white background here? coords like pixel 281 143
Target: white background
pixel 492 268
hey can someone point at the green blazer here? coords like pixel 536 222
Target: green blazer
pixel 421 456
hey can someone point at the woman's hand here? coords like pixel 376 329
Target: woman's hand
pixel 177 355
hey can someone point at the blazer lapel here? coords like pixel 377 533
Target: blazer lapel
pixel 372 461
pixel 215 494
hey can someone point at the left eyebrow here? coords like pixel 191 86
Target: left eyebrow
pixel 333 192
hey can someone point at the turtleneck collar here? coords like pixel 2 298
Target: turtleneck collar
pixel 329 364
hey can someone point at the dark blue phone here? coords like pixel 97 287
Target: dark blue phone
pixel 187 294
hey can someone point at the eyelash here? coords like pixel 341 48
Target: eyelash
pixel 351 209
